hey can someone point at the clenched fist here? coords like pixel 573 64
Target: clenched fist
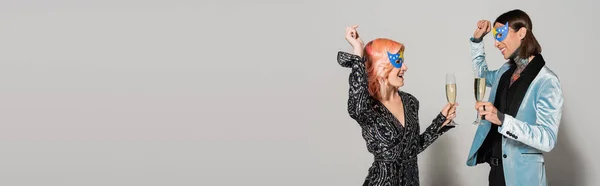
pixel 483 27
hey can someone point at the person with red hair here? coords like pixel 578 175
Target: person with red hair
pixel 389 118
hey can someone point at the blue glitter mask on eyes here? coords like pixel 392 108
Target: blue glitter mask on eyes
pixel 501 33
pixel 396 59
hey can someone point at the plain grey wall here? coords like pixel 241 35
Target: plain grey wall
pixel 136 92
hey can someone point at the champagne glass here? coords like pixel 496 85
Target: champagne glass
pixel 451 92
pixel 479 93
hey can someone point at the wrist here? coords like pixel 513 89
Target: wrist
pixel 358 52
pixel 500 118
pixel 476 40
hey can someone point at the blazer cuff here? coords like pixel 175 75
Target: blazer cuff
pixel 474 40
pixel 508 127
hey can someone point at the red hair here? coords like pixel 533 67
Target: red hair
pixel 378 65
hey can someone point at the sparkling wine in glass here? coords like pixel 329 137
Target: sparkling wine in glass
pixel 479 93
pixel 451 92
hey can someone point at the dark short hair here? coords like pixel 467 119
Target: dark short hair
pixel 518 19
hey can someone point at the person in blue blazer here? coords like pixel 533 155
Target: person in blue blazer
pixel 521 119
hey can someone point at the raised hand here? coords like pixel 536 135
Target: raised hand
pixel 354 39
pixel 483 27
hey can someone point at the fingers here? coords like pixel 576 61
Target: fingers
pixel 486 112
pixel 454 106
pixel 449 109
pixel 489 115
pixel 482 23
pixel 483 106
pixel 484 26
pixel 486 107
pixel 483 113
pixel 482 103
pixel 347 31
pixel 351 28
pixel 477 105
pixel 451 117
pixel 351 31
pixel 487 104
pixel 452 110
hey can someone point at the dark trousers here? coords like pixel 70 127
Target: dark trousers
pixel 496 177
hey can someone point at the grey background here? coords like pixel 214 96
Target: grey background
pixel 216 93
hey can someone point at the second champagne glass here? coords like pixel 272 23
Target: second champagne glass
pixel 479 89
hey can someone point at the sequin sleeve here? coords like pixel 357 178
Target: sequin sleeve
pixel 359 99
pixel 433 131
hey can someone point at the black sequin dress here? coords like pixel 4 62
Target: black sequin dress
pixel 395 147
